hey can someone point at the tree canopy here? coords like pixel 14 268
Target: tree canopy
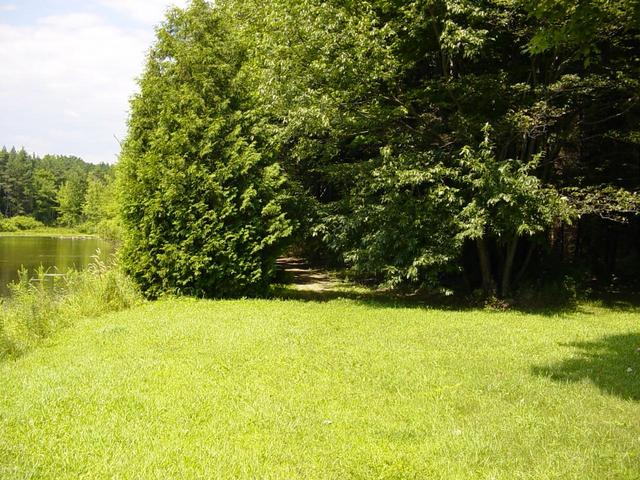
pixel 201 204
pixel 414 141
pixel 51 189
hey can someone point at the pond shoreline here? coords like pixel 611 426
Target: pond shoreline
pixel 53 251
pixel 52 233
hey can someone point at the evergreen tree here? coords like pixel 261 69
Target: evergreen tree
pixel 31 186
pixel 17 178
pixel 200 205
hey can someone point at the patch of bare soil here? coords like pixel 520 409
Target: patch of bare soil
pixel 305 278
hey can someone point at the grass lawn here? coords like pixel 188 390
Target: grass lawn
pixel 182 389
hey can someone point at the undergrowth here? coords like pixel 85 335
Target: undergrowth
pixel 42 304
pixel 19 223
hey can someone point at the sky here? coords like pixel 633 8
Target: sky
pixel 68 69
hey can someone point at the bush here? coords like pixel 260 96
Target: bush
pixel 40 306
pixel 7 226
pixel 109 229
pixel 202 209
pixel 19 223
pixel 560 292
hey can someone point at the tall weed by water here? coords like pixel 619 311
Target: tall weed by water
pixel 45 303
pixel 5 345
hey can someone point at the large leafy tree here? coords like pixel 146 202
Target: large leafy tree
pixel 372 107
pixel 71 197
pixel 505 202
pixel 376 111
pixel 45 193
pixel 201 206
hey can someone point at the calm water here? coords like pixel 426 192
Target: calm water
pixel 57 254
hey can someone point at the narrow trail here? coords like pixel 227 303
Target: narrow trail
pixel 305 278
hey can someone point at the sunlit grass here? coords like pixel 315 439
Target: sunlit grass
pixel 337 389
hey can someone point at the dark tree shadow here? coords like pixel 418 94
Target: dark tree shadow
pixel 406 299
pixel 611 363
pixel 374 298
pixel 622 301
pixel 297 279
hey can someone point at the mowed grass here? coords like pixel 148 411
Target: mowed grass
pixel 274 389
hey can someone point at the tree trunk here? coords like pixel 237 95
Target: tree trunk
pixel 485 267
pixel 527 261
pixel 508 267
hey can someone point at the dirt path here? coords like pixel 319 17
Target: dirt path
pixel 305 278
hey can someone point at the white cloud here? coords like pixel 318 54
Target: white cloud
pixel 8 8
pixel 150 12
pixel 66 82
pixel 67 79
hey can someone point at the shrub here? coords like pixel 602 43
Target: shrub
pixel 7 226
pixel 19 223
pixel 109 229
pixel 202 209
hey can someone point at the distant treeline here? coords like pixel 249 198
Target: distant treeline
pixel 55 189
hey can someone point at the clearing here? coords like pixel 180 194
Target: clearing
pixel 326 389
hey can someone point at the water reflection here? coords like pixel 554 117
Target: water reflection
pixel 57 254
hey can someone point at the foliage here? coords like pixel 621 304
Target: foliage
pixel 607 202
pixel 71 197
pixel 201 205
pixel 45 201
pixel 396 223
pixel 100 208
pixel 369 104
pixel 40 306
pixel 581 27
pixel 51 189
pixel 19 223
pixel 504 198
pixel 374 112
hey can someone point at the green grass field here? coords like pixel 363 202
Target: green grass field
pixel 181 389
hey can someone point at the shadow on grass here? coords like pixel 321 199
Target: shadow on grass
pixel 370 297
pixel 402 299
pixel 298 280
pixel 622 302
pixel 611 363
pixel 398 299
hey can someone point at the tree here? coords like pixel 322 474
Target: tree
pixel 101 207
pixel 201 207
pixel 45 201
pixel 71 198
pixel 370 116
pixel 16 179
pixel 367 102
pixel 30 185
pixel 97 200
pixel 505 202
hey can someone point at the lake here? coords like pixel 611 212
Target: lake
pixel 58 254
